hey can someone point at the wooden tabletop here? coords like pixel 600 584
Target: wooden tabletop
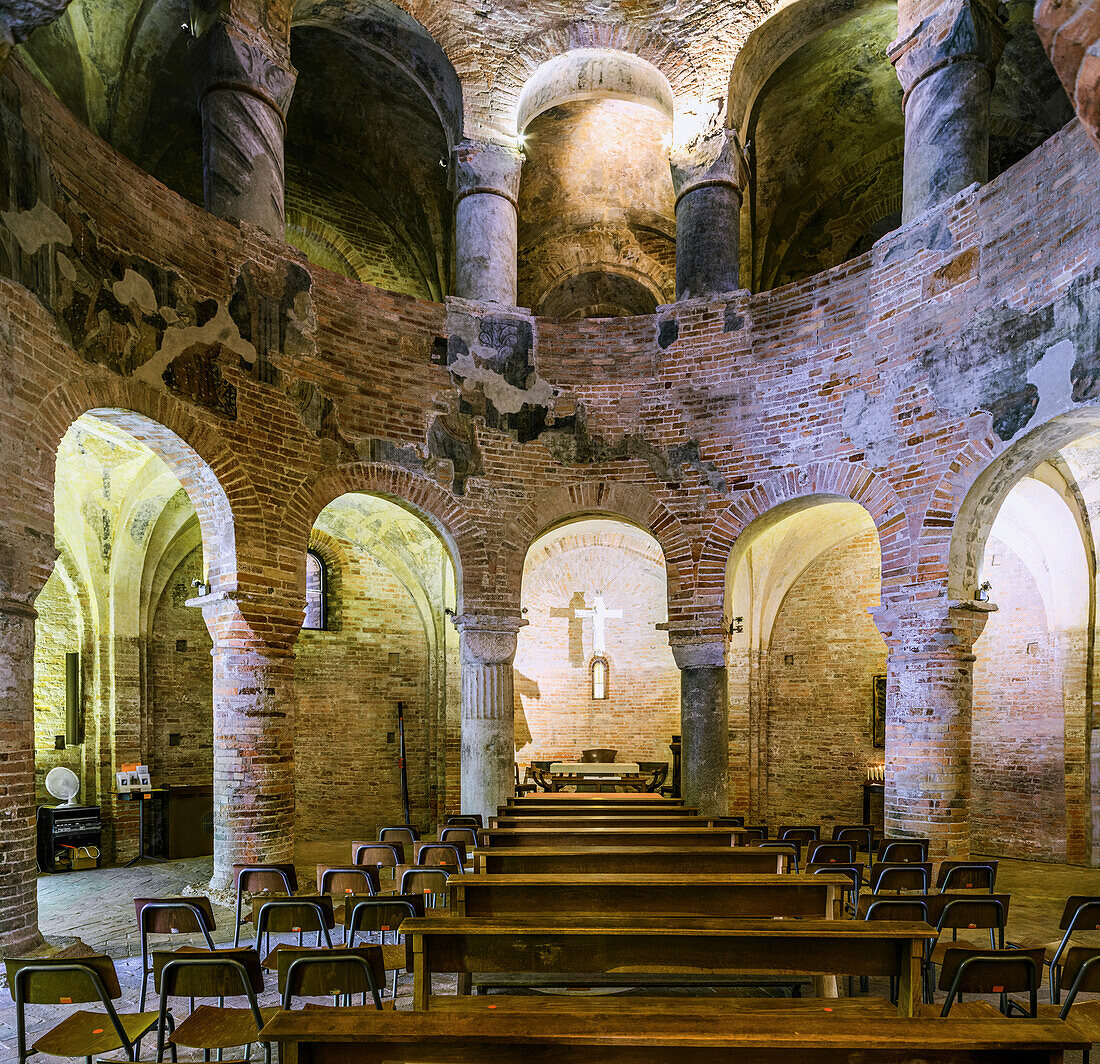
pixel 642 925
pixel 627 859
pixel 560 818
pixel 555 796
pixel 610 835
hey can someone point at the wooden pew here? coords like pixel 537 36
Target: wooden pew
pixel 564 951
pixel 563 819
pixel 624 860
pixel 718 895
pixel 603 836
pixel 493 1036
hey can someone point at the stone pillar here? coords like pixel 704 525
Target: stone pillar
pixel 488 711
pixel 945 65
pixel 18 871
pixel 708 176
pixel 704 718
pixel 243 92
pixel 486 241
pixel 254 704
pixel 929 681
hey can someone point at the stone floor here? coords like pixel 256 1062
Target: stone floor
pixel 94 909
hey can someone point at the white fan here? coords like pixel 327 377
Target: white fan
pixel 63 784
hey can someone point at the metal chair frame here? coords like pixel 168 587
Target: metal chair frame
pixel 328 958
pixel 1005 957
pixel 428 847
pixel 792 847
pixel 1085 902
pixel 950 870
pixel 165 905
pixel 352 922
pixel 274 904
pixel 243 874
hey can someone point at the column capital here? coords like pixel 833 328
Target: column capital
pixel 715 157
pixel 701 647
pixel 224 59
pixel 488 639
pixel 482 166
pixel 957 31
pixel 932 628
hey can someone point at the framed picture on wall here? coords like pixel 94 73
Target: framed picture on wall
pixel 878 710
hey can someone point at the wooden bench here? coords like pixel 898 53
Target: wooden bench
pixel 494 1036
pixel 602 836
pixel 718 895
pixel 562 819
pixel 624 860
pixel 571 950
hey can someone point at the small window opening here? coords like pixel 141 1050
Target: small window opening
pixel 599 677
pixel 316 592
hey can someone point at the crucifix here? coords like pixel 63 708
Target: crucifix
pixel 598 613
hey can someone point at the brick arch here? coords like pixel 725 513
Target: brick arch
pixel 220 490
pixel 630 502
pixel 845 480
pixel 423 497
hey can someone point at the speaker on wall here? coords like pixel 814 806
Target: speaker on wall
pixel 74 722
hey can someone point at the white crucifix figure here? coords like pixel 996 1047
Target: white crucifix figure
pixel 598 612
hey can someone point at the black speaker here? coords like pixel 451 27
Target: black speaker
pixel 74 718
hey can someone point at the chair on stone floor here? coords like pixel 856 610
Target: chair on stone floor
pixel 966 875
pixel 753 833
pixel 862 836
pixel 338 973
pixel 466 836
pixel 729 821
pixel 300 915
pixel 261 879
pixel 967 912
pixel 1081 914
pixel 403 835
pixel 1002 972
pixel 378 855
pixel 912 909
pixel 464 820
pixel 851 869
pixel 170 916
pixel 383 915
pixel 429 882
pixel 828 852
pixel 899 877
pixel 902 851
pixel 65 981
pixel 219 974
pixel 442 854
pixel 791 847
pixel 347 879
pixel 803 833
pixel 1080 971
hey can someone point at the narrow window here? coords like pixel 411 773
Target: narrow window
pixel 316 591
pixel 599 677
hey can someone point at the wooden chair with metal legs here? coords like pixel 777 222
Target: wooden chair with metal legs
pixel 802 833
pixel 751 833
pixel 967 912
pixel 170 916
pixel 443 855
pixel 300 916
pixel 383 915
pixel 852 869
pixel 1003 972
pixel 429 882
pixel 377 855
pixel 902 851
pixel 829 852
pixel 1081 913
pixel 261 879
pixel 791 847
pixel 220 974
pixel 909 909
pixel 861 836
pixel 337 973
pixel 347 879
pixel 1080 970
pixel 966 875
pixel 466 838
pixel 64 981
pixel 470 820
pixel 899 877
pixel 403 835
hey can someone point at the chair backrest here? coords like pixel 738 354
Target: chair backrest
pixel 804 833
pixel 791 847
pixel 377 854
pixel 405 834
pixel 754 833
pixel 62 980
pixel 903 851
pixel 912 908
pixel 976 971
pixel 1082 913
pixel 859 835
pixel 469 820
pixel 280 915
pixel 819 852
pixel 456 835
pixel 966 875
pixel 852 869
pixel 729 821
pixel 428 881
pixel 1081 973
pixel 600 755
pixel 324 972
pixel 174 916
pixel 255 878
pixel 208 973
pixel 903 876
pixel 443 854
pixel 384 913
pixel 344 879
pixel 971 911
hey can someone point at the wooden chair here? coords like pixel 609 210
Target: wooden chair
pixel 968 912
pixel 1081 913
pixel 821 852
pixel 966 875
pixel 441 854
pixel 1003 972
pixel 729 821
pixel 261 879
pixel 300 915
pixel 431 882
pixel 753 833
pixel 466 836
pixel 912 910
pixel 377 854
pixel 347 879
pixel 1081 970
pixel 851 869
pixel 170 916
pixel 862 836
pixel 403 835
pixel 340 973
pixel 55 981
pixel 383 915
pixel 803 833
pixel 464 820
pixel 902 851
pixel 219 974
pixel 899 877
pixel 791 847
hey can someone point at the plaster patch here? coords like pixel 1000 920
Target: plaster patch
pixel 37 227
pixel 868 421
pixel 1051 375
pixel 507 398
pixel 135 290
pixel 220 329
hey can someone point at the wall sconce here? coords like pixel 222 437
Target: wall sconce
pixel 982 594
pixel 736 627
pixel 202 588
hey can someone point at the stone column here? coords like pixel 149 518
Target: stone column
pixel 254 704
pixel 18 871
pixel 488 711
pixel 243 92
pixel 704 718
pixel 945 65
pixel 929 681
pixel 486 241
pixel 708 176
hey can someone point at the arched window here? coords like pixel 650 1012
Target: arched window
pixel 599 677
pixel 316 592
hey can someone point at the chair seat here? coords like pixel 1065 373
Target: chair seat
pixel 1083 1015
pixel 84 1034
pixel 212 1027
